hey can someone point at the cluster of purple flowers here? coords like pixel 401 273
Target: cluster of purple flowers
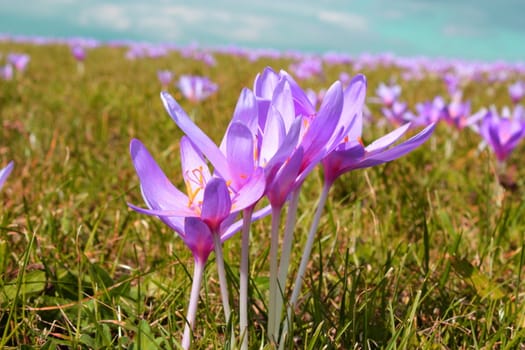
pixel 278 135
pixel 502 132
pixel 275 139
pixel 15 62
pixel 193 52
pixel 196 88
pixel 307 68
pixel 193 87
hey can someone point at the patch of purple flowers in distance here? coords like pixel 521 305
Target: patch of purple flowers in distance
pixel 196 88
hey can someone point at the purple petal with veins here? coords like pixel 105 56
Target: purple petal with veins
pixel 197 136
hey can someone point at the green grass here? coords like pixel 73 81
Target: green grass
pixel 426 252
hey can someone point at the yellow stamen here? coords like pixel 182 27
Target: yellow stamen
pixel 196 178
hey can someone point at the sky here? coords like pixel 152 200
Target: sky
pixel 470 29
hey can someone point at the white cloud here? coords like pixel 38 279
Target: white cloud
pixel 164 28
pixel 245 34
pixel 183 13
pixel 395 14
pixel 173 23
pixel 194 14
pixel 349 21
pixel 249 27
pixel 455 30
pixel 47 8
pixel 107 15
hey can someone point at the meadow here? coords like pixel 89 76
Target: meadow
pixel 424 252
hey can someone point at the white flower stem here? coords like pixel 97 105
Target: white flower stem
pixel 274 245
pixel 244 277
pixel 198 270
pixel 80 68
pixel 222 276
pixel 284 263
pixel 304 260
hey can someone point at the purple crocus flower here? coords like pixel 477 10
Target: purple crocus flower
pixel 18 60
pixel 452 82
pixel 397 113
pixel 277 131
pixel 4 173
pixel 345 78
pixel 135 51
pixel 165 77
pixel 457 112
pixel 289 112
pixel 156 51
pixel 517 91
pixel 205 57
pixel 428 112
pixel 352 154
pixel 287 108
pixel 6 72
pixel 307 68
pixel 388 94
pixel 196 88
pixel 217 209
pixel 501 133
pixel 204 217
pixel 284 106
pixel 78 52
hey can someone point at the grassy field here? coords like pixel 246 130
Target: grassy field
pixel 425 252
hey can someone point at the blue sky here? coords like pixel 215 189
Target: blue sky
pixel 471 29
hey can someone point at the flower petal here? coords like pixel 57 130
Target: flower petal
pixel 251 191
pixel 282 101
pixel 246 109
pixel 302 103
pixel 352 114
pixel 283 182
pixel 172 218
pixel 342 159
pixel 217 203
pixel 4 173
pixel 158 192
pixel 398 150
pixel 239 153
pixel 194 169
pixel 274 134
pixel 246 112
pixel 323 125
pixel 198 238
pixel 387 140
pixel 197 136
pixel 265 83
pixel 285 150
